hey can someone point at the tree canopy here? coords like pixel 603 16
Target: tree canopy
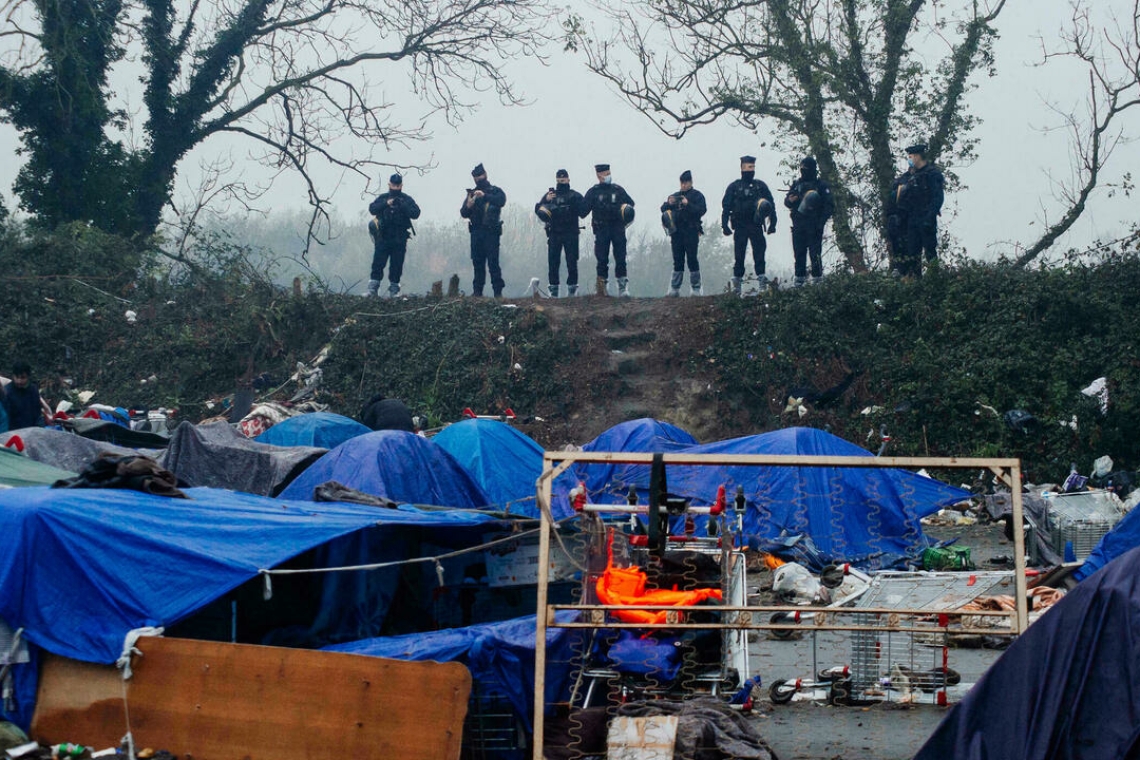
pixel 851 82
pixel 300 82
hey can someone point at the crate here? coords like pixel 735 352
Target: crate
pixel 1080 518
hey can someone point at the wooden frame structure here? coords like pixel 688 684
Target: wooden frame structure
pixel 756 618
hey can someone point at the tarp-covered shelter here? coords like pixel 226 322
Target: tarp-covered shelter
pixel 396 465
pixel 218 456
pixel 17 470
pixel 323 430
pixel 1066 688
pixel 66 451
pixel 503 461
pixel 80 569
pixel 499 655
pixel 868 516
pixel 1125 535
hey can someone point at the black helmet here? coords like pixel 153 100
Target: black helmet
pixel 669 221
pixel 626 212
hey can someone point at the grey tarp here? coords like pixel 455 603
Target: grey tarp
pixel 218 456
pixel 65 450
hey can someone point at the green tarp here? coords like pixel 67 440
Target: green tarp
pixel 17 470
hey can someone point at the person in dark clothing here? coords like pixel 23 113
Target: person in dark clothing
pixel 744 206
pixel 391 226
pixel 896 225
pixel 611 209
pixel 921 199
pixel 22 399
pixel 683 211
pixel 483 209
pixel 382 413
pixel 560 209
pixel 811 204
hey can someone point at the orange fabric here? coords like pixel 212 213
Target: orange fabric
pixel 626 585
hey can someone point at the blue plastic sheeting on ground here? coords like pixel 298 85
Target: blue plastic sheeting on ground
pixel 504 462
pixel 1124 535
pixel 1066 688
pixel 394 465
pixel 324 430
pixel 500 653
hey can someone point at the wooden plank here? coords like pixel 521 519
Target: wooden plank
pixel 218 701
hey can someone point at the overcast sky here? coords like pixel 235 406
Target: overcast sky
pixel 575 121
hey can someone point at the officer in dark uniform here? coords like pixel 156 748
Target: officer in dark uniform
pixel 811 204
pixel 742 206
pixel 483 210
pixel 612 209
pixel 896 225
pixel 560 209
pixel 921 198
pixel 684 210
pixel 390 228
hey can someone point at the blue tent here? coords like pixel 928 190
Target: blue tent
pixel 323 430
pixel 395 465
pixel 1124 535
pixel 866 516
pixel 641 436
pixel 500 655
pixel 80 568
pixel 1066 688
pixel 504 462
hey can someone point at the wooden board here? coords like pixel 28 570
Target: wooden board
pixel 218 701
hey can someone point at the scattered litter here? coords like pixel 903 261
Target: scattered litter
pixel 1098 389
pixel 947 558
pixel 131 315
pixel 869 410
pixel 1102 466
pixel 949 517
pixel 502 339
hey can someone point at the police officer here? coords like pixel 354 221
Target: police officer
pixel 811 204
pixel 560 209
pixel 390 228
pixel 921 198
pixel 685 209
pixel 611 209
pixel 744 206
pixel 483 210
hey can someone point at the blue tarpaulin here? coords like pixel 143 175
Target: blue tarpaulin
pixel 1066 688
pixel 500 654
pixel 867 516
pixel 81 568
pixel 504 462
pixel 396 465
pixel 323 430
pixel 1124 535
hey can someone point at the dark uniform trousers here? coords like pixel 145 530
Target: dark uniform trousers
pixel 485 258
pixel 741 237
pixel 807 244
pixel 684 243
pixel 606 235
pixel 389 249
pixel 556 243
pixel 921 240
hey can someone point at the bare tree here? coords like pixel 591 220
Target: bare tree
pixel 850 81
pixel 1111 55
pixel 302 82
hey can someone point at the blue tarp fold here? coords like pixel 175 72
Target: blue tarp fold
pixel 504 462
pixel 323 430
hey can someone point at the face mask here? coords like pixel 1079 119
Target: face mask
pixel 483 184
pixel 910 162
pixel 562 187
pixel 747 175
pixel 608 179
pixel 394 190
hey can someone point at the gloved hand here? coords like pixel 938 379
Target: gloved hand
pixel 771 227
pixel 724 228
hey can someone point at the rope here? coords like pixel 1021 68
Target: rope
pixel 436 558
